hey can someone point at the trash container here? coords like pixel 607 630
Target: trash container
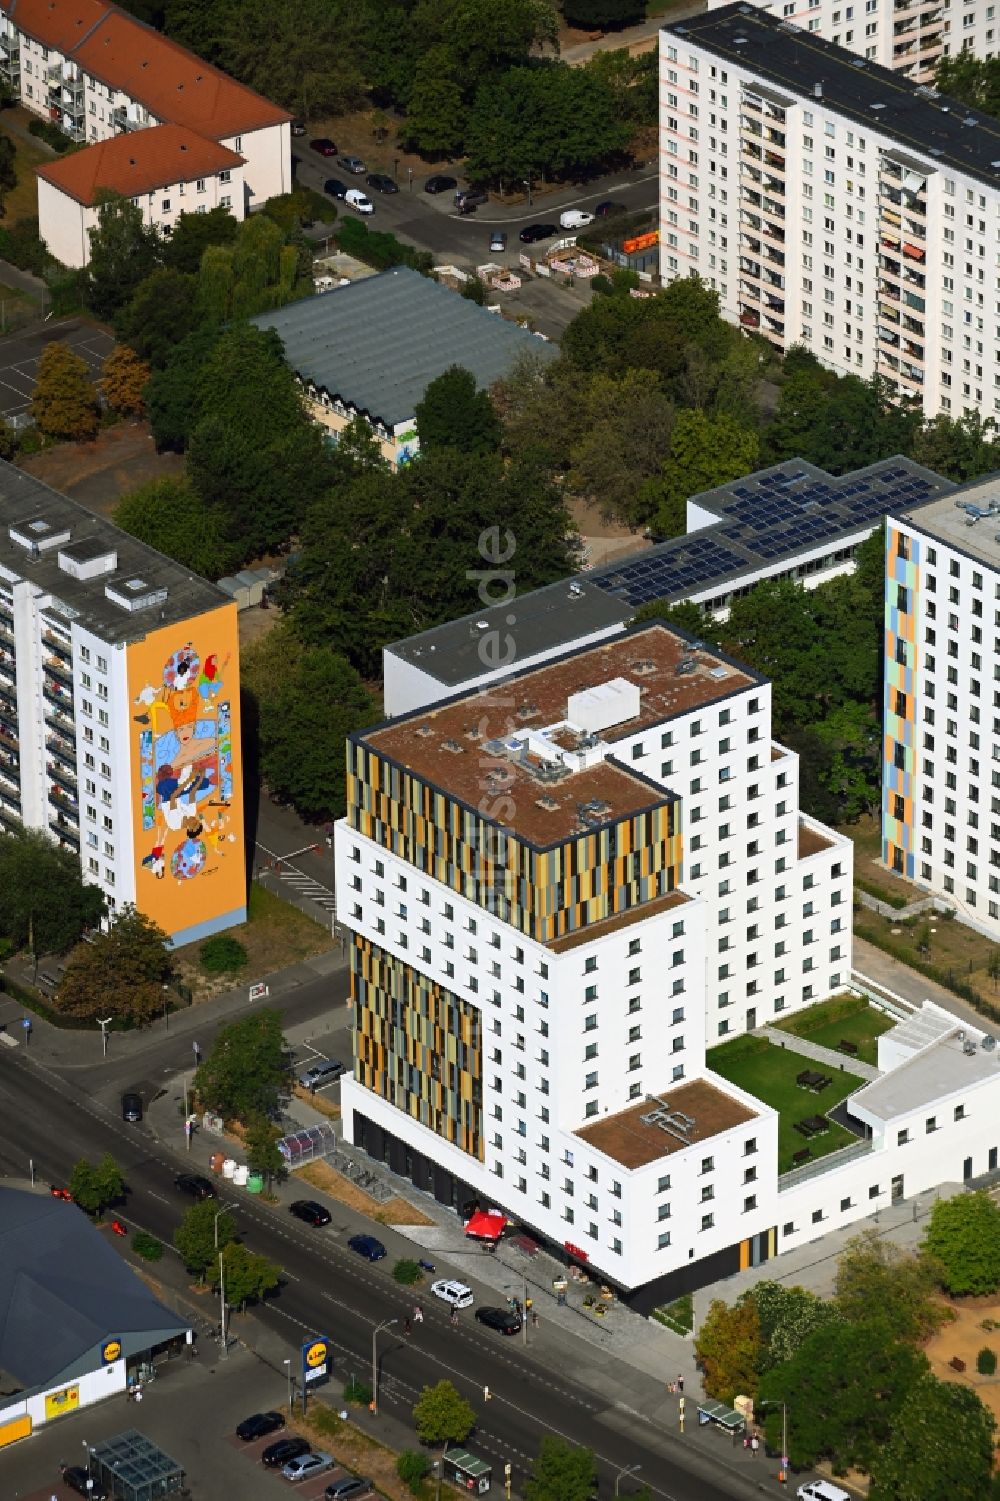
pixel 255 1183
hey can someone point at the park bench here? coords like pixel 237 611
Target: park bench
pixel 802 1155
pixel 843 1046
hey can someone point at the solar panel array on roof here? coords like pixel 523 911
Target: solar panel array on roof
pixel 773 517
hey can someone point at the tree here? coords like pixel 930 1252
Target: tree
pixel 435 113
pixel 123 252
pixel 961 448
pixel 253 453
pixel 314 703
pixel 788 1316
pixel 160 315
pixel 964 1239
pixel 412 1467
pixel 973 80
pixel 192 235
pixel 632 80
pixel 122 972
pixel 64 402
pixel 627 426
pixel 873 1274
pixel 202 1234
pixel 261 1142
pixel 941 1445
pixel 246 1276
pixel 846 1385
pixel 247 1070
pixel 703 453
pixel 96 1186
pixel 8 169
pixel 727 1349
pixel 605 15
pixel 546 120
pixel 302 53
pixel 442 1416
pixel 44 904
pixel 168 515
pixel 172 396
pixel 561 1471
pixel 124 377
pixel 453 414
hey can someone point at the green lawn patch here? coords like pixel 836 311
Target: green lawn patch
pixel 768 1072
pixel 678 1316
pixel 843 1016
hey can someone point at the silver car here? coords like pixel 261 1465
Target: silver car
pixel 306 1465
pixel 324 1071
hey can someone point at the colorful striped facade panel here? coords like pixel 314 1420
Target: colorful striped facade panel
pixel 544 893
pixel 418 1046
pixel 900 736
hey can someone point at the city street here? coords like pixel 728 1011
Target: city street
pixel 329 1289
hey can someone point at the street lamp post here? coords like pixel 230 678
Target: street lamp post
pixel 527 184
pixel 625 1470
pixel 773 1402
pixel 288 1372
pixel 104 1025
pixel 222 1301
pixel 386 1324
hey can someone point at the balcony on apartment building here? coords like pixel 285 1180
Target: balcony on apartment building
pixel 64 777
pixel 8 668
pixel 64 831
pixel 749 318
pixel 123 121
pixel 750 126
pixel 10 776
pixel 59 669
pixel 749 293
pixel 889 337
pixel 10 59
pixel 66 802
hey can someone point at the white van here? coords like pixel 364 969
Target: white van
pixel 356 199
pixel 821 1490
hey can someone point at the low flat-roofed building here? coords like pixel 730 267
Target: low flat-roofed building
pixel 372 348
pixel 689 1115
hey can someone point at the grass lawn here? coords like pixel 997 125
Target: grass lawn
pixel 866 836
pixel 275 935
pixel 956 952
pixel 768 1072
pixel 843 1016
pixel 22 202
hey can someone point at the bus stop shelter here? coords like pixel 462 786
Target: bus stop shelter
pixel 721 1416
pixel 131 1468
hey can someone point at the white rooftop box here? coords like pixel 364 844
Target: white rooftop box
pixel 608 704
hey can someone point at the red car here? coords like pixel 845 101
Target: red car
pixel 61 1193
pixel 324 146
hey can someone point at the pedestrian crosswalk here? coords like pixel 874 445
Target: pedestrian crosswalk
pixel 314 890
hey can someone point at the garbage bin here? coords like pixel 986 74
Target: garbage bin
pixel 255 1183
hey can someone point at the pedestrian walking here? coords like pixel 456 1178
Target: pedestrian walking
pixel 680 1383
pixel 418 1314
pixel 407 1326
pixel 454 1316
pixel 534 1319
pixel 754 1445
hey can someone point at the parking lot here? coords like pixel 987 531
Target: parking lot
pixel 20 354
pixel 309 1490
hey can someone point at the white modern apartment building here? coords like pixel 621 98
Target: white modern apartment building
pixel 560 887
pixel 119 711
pixel 941 755
pixel 908 36
pixel 832 204
pixel 95 71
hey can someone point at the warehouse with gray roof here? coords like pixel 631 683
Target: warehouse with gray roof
pixel 372 348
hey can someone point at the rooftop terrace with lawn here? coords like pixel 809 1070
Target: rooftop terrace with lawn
pixel 844 1023
pixel 771 1073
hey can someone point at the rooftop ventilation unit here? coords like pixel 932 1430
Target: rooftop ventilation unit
pixel 424 730
pixel 452 746
pixel 988 1043
pixel 527 711
pixel 969 1049
pixel 549 804
pixel 674 1122
pixel 643 667
pixel 685 666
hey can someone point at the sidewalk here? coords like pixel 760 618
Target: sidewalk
pixel 64 1047
pixel 899 979
pixel 829 1057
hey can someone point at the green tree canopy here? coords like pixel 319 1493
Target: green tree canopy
pixel 436 113
pixel 168 515
pixel 607 15
pixel 202 1234
pixel 546 120
pixel 96 1186
pixel 627 425
pixel 173 392
pixel 873 1274
pixel 192 235
pixel 247 1276
pixel 44 904
pixel 160 314
pixel 974 80
pixel 561 1471
pixel 728 1348
pixel 263 1157
pixel 704 452
pixel 961 448
pixel 247 1070
pixel 963 1237
pixel 788 1316
pixel 123 252
pixel 441 1415
pixel 453 414
pixel 121 973
pixel 941 1445
pixel 64 401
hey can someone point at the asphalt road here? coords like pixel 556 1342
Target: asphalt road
pixel 329 1289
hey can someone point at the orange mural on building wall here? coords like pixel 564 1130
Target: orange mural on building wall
pixel 187 785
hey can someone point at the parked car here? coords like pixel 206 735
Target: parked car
pixel 347 1489
pixel 352 164
pixel 131 1107
pixel 608 206
pixel 311 1212
pixel 354 198
pixel 440 183
pixel 532 233
pixel 78 1480
pixel 575 218
pixel 307 1465
pixel 298 127
pixel 456 1294
pixel 195 1185
pixel 501 1319
pixel 381 182
pixel 821 1490
pixel 279 1454
pixel 367 1246
pixel 335 187
pixel 259 1426
pixel 324 146
pixel 498 241
pixel 469 198
pixel 325 1070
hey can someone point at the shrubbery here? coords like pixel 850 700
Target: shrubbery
pixel 222 954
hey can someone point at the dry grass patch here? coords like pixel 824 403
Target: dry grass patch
pixel 318 1102
pixel 355 1450
pixel 394 1211
pixel 275 936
